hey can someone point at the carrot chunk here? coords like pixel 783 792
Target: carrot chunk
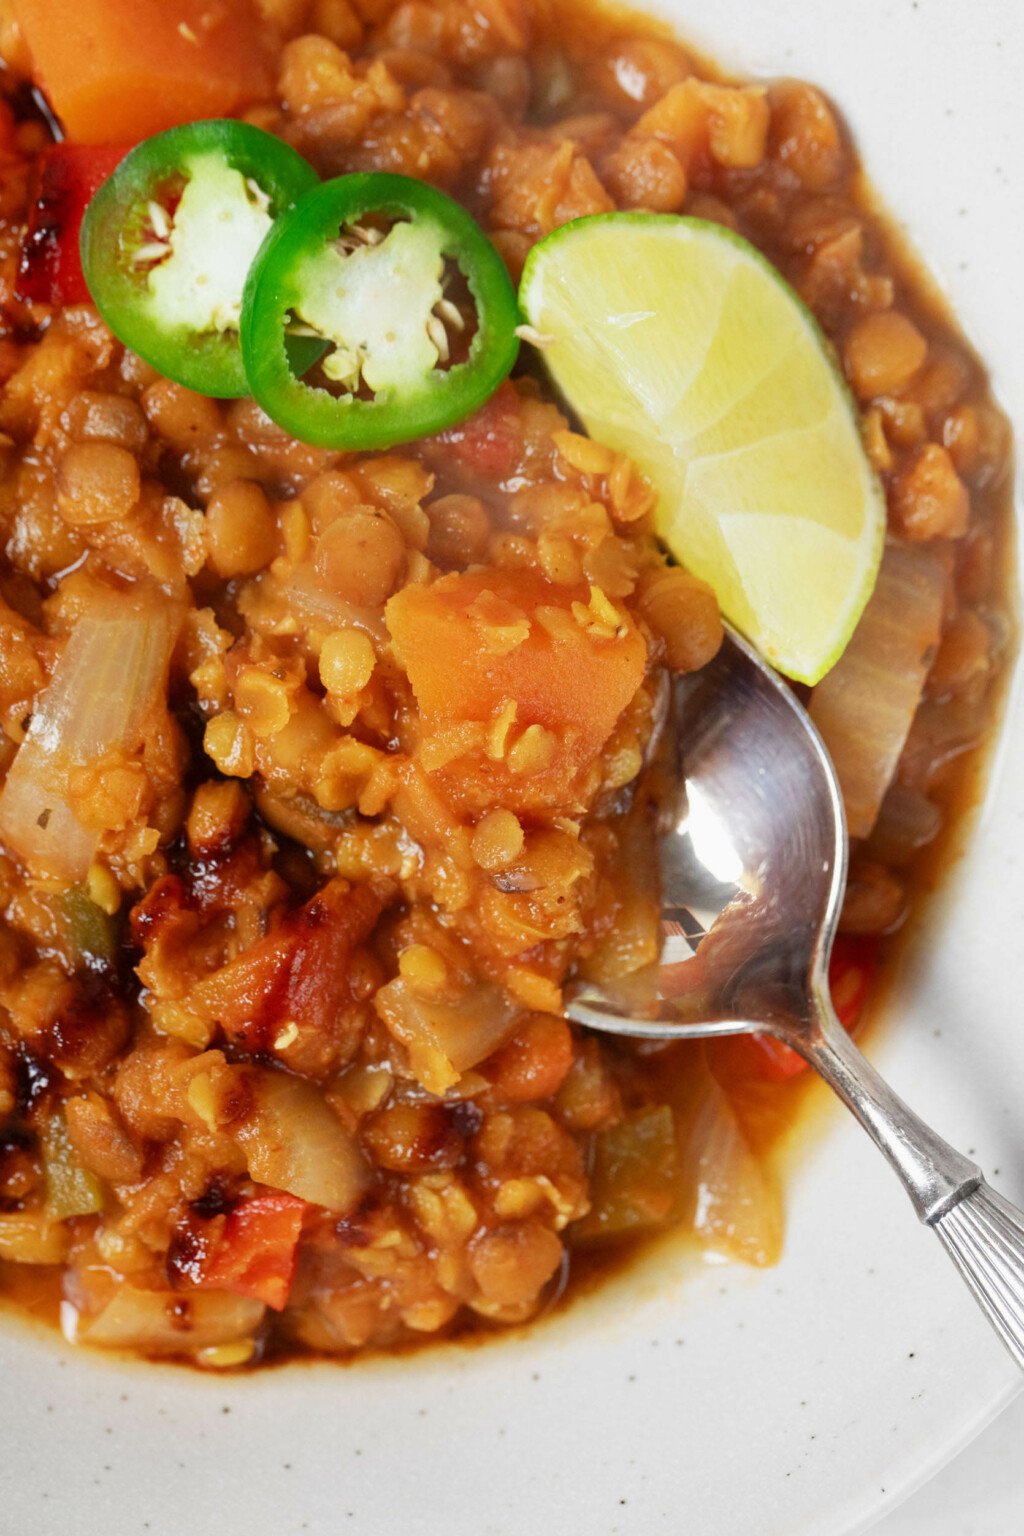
pixel 120 70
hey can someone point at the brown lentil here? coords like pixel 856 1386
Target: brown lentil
pixel 356 858
pixel 241 531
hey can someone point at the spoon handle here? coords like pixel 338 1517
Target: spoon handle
pixel 982 1232
pixel 984 1236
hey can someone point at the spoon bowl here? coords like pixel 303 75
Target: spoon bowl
pixel 753 855
pixel 753 859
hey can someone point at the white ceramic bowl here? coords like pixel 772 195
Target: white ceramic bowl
pixel 798 1402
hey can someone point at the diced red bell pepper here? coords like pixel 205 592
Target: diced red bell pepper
pixel 8 129
pixel 257 1253
pixel 850 974
pixel 50 270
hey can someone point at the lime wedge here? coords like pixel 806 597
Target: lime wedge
pixel 677 342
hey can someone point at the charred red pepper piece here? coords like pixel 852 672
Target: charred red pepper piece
pixel 257 1251
pixel 50 270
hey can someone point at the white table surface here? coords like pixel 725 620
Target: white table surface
pixel 981 1493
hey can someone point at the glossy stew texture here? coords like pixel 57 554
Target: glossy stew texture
pixel 324 771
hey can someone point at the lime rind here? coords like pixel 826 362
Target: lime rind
pixel 676 341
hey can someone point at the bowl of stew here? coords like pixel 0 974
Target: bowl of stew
pixel 315 1211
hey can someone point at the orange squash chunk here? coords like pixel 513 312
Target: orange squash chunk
pixel 507 645
pixel 119 70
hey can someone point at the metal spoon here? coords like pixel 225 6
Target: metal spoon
pixel 753 861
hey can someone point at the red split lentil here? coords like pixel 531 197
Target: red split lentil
pixel 363 745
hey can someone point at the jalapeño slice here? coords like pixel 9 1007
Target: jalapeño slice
pixel 411 300
pixel 168 240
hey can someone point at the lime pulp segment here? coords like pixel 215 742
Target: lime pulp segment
pixel 678 343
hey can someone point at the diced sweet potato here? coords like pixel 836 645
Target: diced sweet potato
pixel 510 650
pixel 120 70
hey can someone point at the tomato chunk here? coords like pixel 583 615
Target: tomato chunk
pixel 299 973
pixel 50 269
pixel 125 69
pixel 490 441
pixel 533 1062
pixel 257 1252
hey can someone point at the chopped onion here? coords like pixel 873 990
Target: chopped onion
pixel 737 1210
pixel 31 1237
pixel 165 1322
pixel 865 706
pixel 444 1039
pixel 294 1141
pixel 306 594
pixel 113 666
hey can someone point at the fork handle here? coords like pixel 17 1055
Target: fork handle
pixel 982 1232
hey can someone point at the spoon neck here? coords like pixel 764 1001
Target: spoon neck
pixel 934 1174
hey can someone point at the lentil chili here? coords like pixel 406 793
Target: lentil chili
pixel 281 1059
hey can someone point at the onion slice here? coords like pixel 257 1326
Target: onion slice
pixel 865 706
pixel 737 1211
pixel 294 1141
pixel 113 666
pixel 309 595
pixel 165 1322
pixel 445 1038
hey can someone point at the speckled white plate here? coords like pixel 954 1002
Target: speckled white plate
pixel 800 1402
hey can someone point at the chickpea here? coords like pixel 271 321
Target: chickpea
pixel 347 660
pixel 639 70
pixel 514 1262
pixel 459 530
pixel 94 416
pixel 338 20
pixel 942 384
pixel 805 136
pixel 328 497
pixel 963 657
pixel 498 840
pixel 645 173
pixel 683 611
pixel 184 420
pixel 929 500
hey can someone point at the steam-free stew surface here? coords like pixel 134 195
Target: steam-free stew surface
pixel 282 1062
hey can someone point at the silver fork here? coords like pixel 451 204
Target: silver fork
pixel 753 857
